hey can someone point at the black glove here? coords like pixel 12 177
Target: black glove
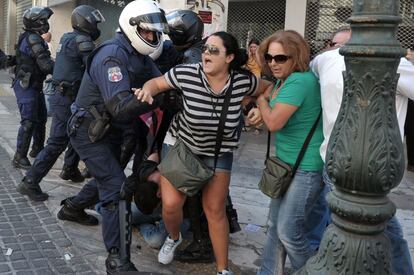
pixel 128 188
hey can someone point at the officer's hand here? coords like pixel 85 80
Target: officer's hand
pixel 128 188
pixel 255 117
pixel 143 95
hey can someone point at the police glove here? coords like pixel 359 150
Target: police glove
pixel 129 187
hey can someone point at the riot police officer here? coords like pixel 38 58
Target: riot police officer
pixel 73 50
pixel 33 65
pixel 104 108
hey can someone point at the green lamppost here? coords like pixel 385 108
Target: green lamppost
pixel 365 156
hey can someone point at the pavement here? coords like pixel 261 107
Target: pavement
pixel 34 241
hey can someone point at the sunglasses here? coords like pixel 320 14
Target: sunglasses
pixel 279 58
pixel 213 50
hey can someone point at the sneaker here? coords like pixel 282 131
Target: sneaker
pixel 166 254
pixel 225 272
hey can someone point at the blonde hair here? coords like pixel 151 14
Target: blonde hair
pixel 294 45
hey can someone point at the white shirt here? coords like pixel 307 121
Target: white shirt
pixel 329 66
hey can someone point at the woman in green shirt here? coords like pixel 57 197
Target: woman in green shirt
pixel 290 109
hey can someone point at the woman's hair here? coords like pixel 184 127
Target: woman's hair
pixel 294 45
pixel 232 47
pixel 254 41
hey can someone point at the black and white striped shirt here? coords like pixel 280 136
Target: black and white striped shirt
pixel 199 119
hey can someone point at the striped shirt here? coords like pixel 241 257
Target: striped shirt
pixel 199 119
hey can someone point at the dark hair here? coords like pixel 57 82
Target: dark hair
pixel 232 47
pixel 145 197
pixel 254 41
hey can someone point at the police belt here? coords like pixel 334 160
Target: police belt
pixel 99 125
pixel 66 88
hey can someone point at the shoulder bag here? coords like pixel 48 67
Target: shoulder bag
pixel 278 175
pixel 185 170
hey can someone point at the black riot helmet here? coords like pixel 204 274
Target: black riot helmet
pixel 85 19
pixel 185 27
pixel 36 19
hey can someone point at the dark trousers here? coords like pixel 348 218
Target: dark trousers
pixel 57 142
pixel 102 160
pixel 33 113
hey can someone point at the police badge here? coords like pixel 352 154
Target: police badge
pixel 114 74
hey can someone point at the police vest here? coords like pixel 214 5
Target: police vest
pixel 69 65
pixel 27 64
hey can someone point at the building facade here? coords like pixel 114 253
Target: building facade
pixel 246 19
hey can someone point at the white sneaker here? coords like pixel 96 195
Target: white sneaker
pixel 225 272
pixel 166 254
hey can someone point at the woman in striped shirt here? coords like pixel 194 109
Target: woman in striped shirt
pixel 203 87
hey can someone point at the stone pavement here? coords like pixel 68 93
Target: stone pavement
pixel 44 245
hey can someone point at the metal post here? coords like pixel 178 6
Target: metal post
pixel 365 156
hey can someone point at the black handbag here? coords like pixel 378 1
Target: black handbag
pixel 185 170
pixel 278 175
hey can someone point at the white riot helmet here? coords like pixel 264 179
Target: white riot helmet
pixel 143 14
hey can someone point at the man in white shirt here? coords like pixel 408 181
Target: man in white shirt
pixel 328 66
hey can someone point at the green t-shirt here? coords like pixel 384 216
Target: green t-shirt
pixel 303 91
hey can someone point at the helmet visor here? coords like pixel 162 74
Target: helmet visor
pixel 99 18
pixel 174 19
pixel 152 22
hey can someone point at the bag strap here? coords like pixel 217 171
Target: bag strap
pixel 304 146
pixel 222 120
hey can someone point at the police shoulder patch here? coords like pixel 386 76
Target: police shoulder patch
pixel 114 74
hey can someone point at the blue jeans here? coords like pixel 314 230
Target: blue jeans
pixel 287 222
pixel 401 259
pixel 152 228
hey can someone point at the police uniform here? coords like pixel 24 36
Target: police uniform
pixel 169 57
pixel 74 48
pixel 33 65
pixel 105 94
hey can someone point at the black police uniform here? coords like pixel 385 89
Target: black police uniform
pixel 105 96
pixel 71 55
pixel 33 65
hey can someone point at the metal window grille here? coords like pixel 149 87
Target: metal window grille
pixel 324 17
pixel 3 24
pixel 255 19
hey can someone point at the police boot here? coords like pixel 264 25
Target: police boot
pixel 35 150
pixel 85 173
pixel 75 213
pixel 198 251
pixel 20 159
pixel 32 190
pixel 39 133
pixel 71 173
pixel 115 264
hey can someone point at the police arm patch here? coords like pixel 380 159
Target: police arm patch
pixel 114 74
